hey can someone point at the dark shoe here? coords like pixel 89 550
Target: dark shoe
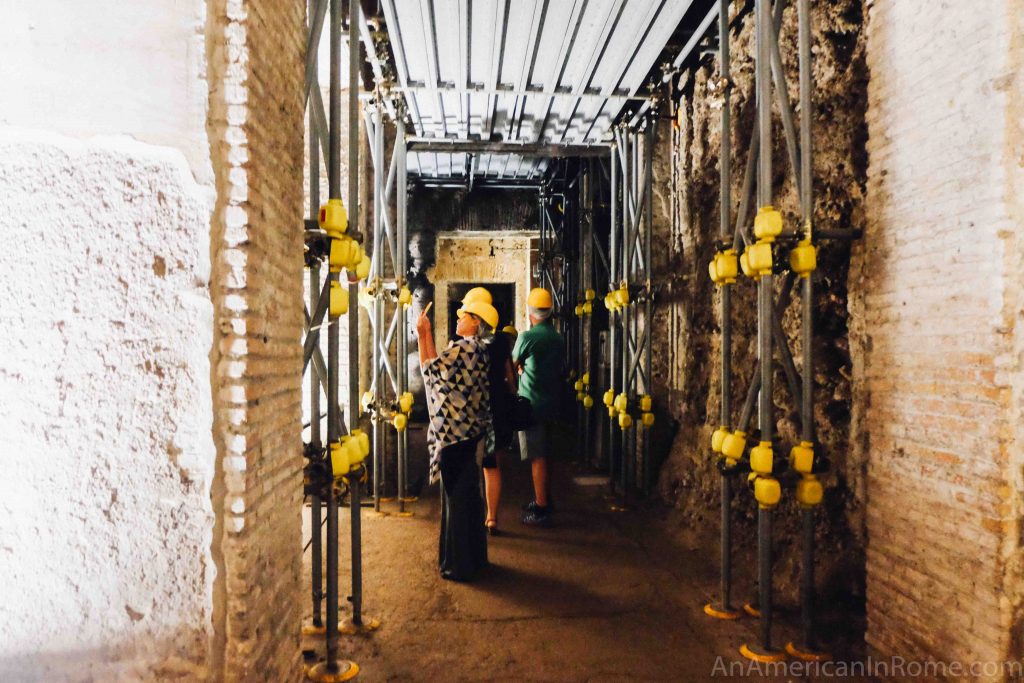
pixel 492 527
pixel 537 517
pixel 533 507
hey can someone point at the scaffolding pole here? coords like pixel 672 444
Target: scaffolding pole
pixel 320 472
pixel 388 400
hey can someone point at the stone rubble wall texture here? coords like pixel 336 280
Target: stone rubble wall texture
pixel 936 288
pixel 687 318
pixel 256 114
pixel 105 399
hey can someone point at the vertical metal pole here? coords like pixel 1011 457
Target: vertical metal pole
pixel 764 313
pixel 627 198
pixel 355 484
pixel 401 360
pixel 613 258
pixel 807 315
pixel 379 207
pixel 334 192
pixel 315 437
pixel 649 302
pixel 724 228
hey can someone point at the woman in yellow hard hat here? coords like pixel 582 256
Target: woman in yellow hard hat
pixel 502 385
pixel 458 400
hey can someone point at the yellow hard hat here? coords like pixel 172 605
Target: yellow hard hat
pixel 478 294
pixel 508 329
pixel 482 310
pixel 539 298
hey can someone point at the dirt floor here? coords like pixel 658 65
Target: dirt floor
pixel 602 596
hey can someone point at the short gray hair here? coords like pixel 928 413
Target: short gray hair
pixel 483 330
pixel 539 313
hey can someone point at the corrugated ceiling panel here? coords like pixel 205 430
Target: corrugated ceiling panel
pixel 491 70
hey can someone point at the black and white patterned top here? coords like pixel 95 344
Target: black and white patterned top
pixel 458 398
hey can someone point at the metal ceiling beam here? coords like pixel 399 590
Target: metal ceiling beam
pixel 562 63
pixel 556 94
pixel 515 123
pixel 637 43
pixel 691 44
pixel 595 58
pixel 497 56
pixel 433 59
pixel 401 62
pixel 523 149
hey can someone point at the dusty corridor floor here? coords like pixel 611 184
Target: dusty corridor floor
pixel 601 596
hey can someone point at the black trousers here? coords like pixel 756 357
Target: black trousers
pixel 462 551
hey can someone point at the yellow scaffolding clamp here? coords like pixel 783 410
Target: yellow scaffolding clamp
pixel 647 414
pixel 724 267
pixel 338 304
pixel 333 218
pixel 803 259
pixel 809 491
pixel 767 491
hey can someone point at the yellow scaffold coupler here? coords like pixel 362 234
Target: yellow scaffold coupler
pixel 803 259
pixel 339 460
pixel 761 457
pixel 363 439
pixel 724 267
pixel 333 218
pixel 404 297
pixel 625 421
pixel 588 402
pixel 759 258
pixel 809 491
pixel 734 444
pixel 363 268
pixel 400 421
pixel 647 420
pixel 609 398
pixel 767 491
pixel 801 457
pixel 621 403
pixel 339 299
pixel 767 224
pixel 405 402
pixel 718 439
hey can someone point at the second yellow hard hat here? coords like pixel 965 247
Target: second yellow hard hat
pixel 539 298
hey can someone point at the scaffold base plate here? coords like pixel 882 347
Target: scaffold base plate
pixel 343 670
pixel 757 654
pixel 722 613
pixel 350 628
pixel 807 654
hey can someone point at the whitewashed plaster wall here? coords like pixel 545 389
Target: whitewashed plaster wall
pixel 106 193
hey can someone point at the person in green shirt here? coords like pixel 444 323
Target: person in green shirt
pixel 539 354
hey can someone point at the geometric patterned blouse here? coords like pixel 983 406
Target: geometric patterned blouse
pixel 458 398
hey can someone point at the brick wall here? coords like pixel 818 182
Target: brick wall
pixel 937 363
pixel 256 118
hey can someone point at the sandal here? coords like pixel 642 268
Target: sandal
pixel 492 526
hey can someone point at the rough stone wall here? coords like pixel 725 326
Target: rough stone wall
pixel 105 401
pixel 936 291
pixel 687 318
pixel 256 118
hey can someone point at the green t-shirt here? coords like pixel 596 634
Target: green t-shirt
pixel 541 351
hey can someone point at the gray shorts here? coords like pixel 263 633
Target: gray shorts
pixel 535 441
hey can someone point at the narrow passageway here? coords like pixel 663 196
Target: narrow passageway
pixel 601 596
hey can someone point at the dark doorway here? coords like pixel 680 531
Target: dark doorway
pixel 503 293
